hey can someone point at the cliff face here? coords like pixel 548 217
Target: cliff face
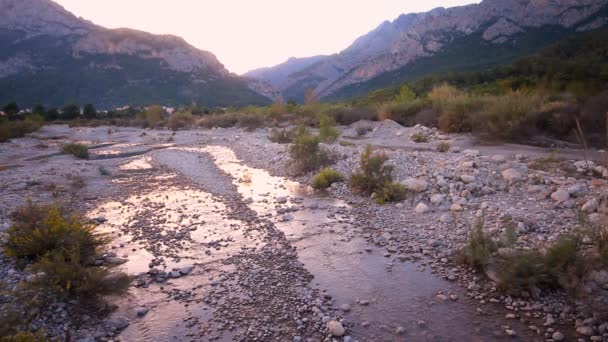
pixel 411 37
pixel 42 41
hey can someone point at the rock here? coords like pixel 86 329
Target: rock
pixel 590 206
pixel 281 200
pixel 512 176
pixel 286 218
pixel 175 274
pixel 446 218
pixel 510 332
pixel 437 199
pixel 456 207
pixel 101 219
pixel 471 153
pixel 345 307
pixel 577 190
pixel 498 158
pixel 335 328
pixel 141 312
pixel 400 331
pixel 186 270
pixel 560 196
pixel 118 323
pixel 422 208
pixel 558 336
pixel 416 185
pixel 467 179
pixel 585 330
pixel 115 260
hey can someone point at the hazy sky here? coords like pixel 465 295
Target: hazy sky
pixel 248 34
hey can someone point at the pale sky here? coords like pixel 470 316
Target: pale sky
pixel 248 34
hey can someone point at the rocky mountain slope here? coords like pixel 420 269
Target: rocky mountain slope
pixel 52 57
pixel 467 37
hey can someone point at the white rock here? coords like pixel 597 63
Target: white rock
pixel 512 176
pixel 472 153
pixel 422 208
pixel 560 196
pixel 335 328
pixel 456 207
pixel 416 185
pixel 437 199
pixel 446 218
pixel 467 179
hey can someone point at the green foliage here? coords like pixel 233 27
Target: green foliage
pixel 223 120
pixel 70 112
pixel 405 94
pixel 390 192
pixel 19 128
pixel 281 136
pixel 151 116
pixel 89 112
pixel 80 151
pixel 419 138
pixel 402 112
pixel 327 130
pixel 443 147
pixel 24 337
pixel 180 120
pixel 306 152
pixel 479 248
pixel 11 110
pixel 38 229
pixel 376 178
pixel 64 273
pixel 251 122
pixel 325 178
pixel 523 271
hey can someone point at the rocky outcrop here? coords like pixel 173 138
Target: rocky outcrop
pixel 410 37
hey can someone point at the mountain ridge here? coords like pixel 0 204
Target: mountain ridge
pixel 43 43
pixel 410 37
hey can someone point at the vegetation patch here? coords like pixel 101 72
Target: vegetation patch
pixel 306 152
pixel 325 178
pixel 375 178
pixel 80 151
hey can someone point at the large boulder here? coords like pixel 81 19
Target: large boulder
pixel 416 185
pixel 335 328
pixel 513 176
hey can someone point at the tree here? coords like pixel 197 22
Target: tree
pixel 70 112
pixel 89 111
pixel 51 115
pixel 405 94
pixel 39 110
pixel 11 110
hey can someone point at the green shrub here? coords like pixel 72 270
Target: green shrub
pixel 65 274
pixel 457 112
pixel 24 337
pixel 5 133
pixel 507 116
pixel 375 177
pixel 180 120
pixel 38 229
pixel 402 112
pixel 325 178
pixel 250 122
pixel 281 136
pixel 327 130
pixel 77 150
pixel 443 147
pixel 306 152
pixel 347 115
pixel 390 192
pixel 419 138
pixel 219 120
pixel 479 248
pixel 151 116
pixel 523 271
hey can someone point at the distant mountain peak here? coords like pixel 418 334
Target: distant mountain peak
pixel 415 36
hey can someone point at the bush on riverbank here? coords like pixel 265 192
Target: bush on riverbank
pixel 80 151
pixel 306 152
pixel 375 178
pixel 325 178
pixel 62 246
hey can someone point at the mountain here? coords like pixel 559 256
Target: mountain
pixel 278 76
pixel 471 37
pixel 50 56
